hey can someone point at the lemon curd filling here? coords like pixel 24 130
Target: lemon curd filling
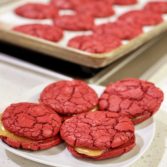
pixel 89 152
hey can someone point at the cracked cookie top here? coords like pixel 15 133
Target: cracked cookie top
pixel 120 29
pixel 95 43
pixel 131 97
pixel 69 97
pixel 74 22
pixel 30 120
pixel 44 31
pixel 125 2
pixel 141 17
pixel 156 6
pixel 93 8
pixel 97 130
pixel 37 11
pixel 62 4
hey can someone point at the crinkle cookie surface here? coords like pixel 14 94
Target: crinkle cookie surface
pixel 132 97
pixel 32 121
pixel 69 97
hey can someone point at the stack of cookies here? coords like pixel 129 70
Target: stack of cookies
pixel 91 126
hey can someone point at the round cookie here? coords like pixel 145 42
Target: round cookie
pixel 137 99
pixel 62 4
pixel 33 145
pixel 98 135
pixel 157 7
pixel 125 2
pixel 32 121
pixel 47 32
pixel 69 97
pixel 142 18
pixel 95 43
pixel 37 11
pixel 74 22
pixel 120 29
pixel 83 2
pixel 94 7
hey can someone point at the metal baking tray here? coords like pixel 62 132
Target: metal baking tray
pixel 60 50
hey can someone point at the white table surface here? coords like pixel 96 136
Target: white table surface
pixel 15 80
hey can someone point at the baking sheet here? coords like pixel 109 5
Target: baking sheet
pixel 60 50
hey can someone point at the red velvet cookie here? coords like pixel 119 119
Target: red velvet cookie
pixel 98 135
pixel 157 6
pixel 32 144
pixel 69 97
pixel 74 22
pixel 95 43
pixel 95 9
pixel 32 121
pixel 125 2
pixel 120 29
pixel 69 4
pixel 77 3
pixel 47 32
pixel 137 99
pixel 62 4
pixel 142 17
pixel 37 11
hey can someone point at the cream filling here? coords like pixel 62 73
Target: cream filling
pixel 94 109
pixel 89 152
pixel 136 118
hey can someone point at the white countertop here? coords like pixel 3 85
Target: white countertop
pixel 16 78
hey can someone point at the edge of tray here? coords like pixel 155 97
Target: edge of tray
pixel 74 55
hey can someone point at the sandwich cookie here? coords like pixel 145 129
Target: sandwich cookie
pixel 69 97
pixel 30 126
pixel 137 99
pixel 98 135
